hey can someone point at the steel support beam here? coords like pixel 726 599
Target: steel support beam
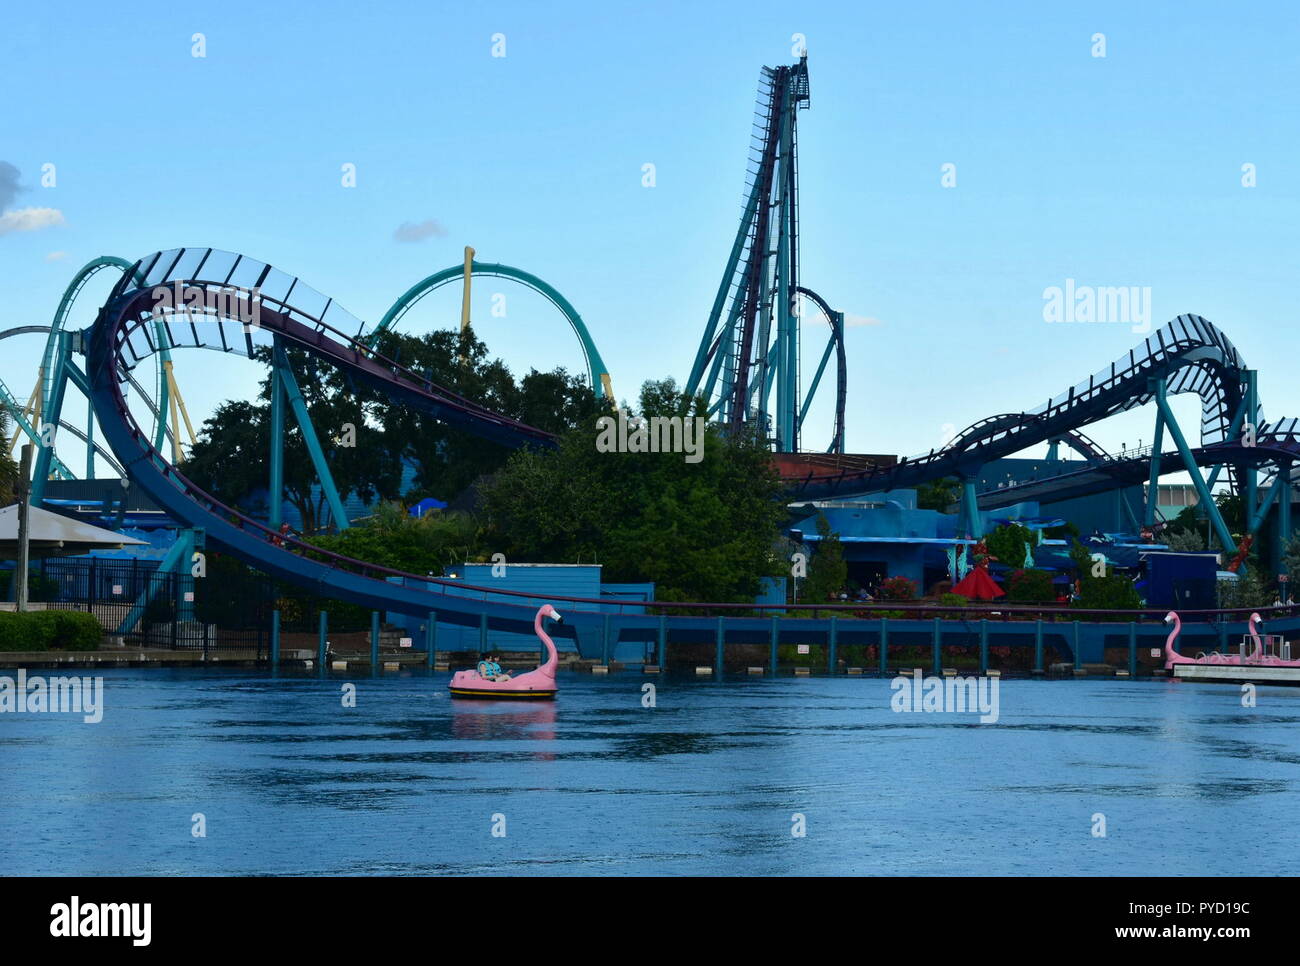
pixel 1251 403
pixel 1283 536
pixel 969 520
pixel 1234 427
pixel 90 438
pixel 176 561
pixel 1256 518
pixel 1153 486
pixel 50 417
pixel 292 395
pixel 724 289
pixel 1189 463
pixel 276 486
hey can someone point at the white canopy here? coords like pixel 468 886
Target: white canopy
pixel 53 535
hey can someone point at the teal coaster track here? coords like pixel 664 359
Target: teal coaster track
pixel 597 372
pixel 57 369
pixel 1187 355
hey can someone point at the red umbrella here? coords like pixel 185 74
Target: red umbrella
pixel 978 585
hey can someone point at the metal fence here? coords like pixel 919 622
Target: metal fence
pixel 161 610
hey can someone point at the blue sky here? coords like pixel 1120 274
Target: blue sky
pixel 1123 170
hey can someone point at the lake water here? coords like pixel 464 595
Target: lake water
pixel 288 781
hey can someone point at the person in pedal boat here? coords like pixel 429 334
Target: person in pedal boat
pixel 491 670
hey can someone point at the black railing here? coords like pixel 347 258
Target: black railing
pixel 160 609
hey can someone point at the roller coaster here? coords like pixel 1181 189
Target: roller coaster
pixel 750 347
pixel 1186 355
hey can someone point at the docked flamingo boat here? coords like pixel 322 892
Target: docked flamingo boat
pixel 1261 658
pixel 538 685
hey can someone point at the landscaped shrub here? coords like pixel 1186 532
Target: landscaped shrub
pixel 897 588
pixel 1106 591
pixel 1030 587
pixel 42 630
pixel 76 631
pixel 26 632
pixel 950 599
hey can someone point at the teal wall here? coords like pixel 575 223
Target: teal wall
pixel 546 580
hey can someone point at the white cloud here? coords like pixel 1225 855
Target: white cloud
pixel 858 321
pixel 850 321
pixel 55 256
pixel 30 219
pixel 408 232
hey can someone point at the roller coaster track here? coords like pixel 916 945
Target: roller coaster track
pixel 50 370
pixel 15 410
pixel 1274 444
pixel 1189 353
pixel 836 342
pixel 596 369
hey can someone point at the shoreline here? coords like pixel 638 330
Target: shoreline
pixel 304 660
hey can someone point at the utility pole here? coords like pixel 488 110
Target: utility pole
pixel 24 494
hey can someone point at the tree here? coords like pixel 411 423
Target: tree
pixel 1185 541
pixel 1250 589
pixel 420 545
pixel 1291 563
pixel 1007 543
pixel 1192 519
pixel 448 459
pixel 231 458
pixel 368 437
pixel 1065 531
pixel 828 574
pixel 700 531
pixel 937 494
pixel 1106 590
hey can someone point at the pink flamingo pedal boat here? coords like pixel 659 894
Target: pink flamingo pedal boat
pixel 536 685
pixel 1263 661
